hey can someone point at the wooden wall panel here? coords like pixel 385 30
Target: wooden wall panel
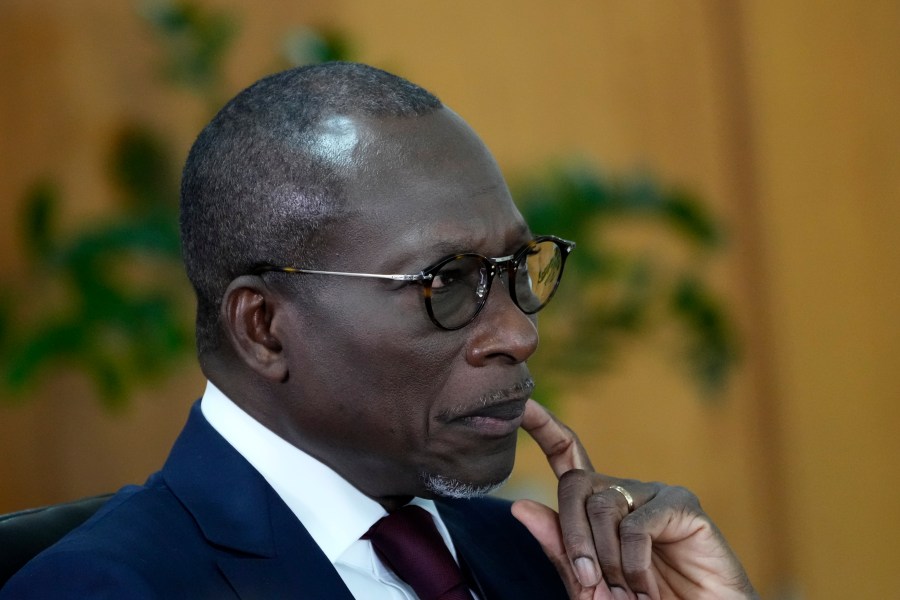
pixel 784 116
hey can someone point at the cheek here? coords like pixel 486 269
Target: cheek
pixel 387 363
pixel 399 372
pixel 383 398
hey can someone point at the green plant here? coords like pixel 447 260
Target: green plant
pixel 194 43
pixel 110 299
pixel 612 293
pixel 102 300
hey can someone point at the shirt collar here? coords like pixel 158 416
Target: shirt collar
pixel 335 513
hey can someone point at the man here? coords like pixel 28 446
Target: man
pixel 366 296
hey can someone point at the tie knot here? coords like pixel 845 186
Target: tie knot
pixel 408 542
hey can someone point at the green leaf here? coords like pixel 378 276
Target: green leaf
pixel 196 40
pixel 611 296
pixel 40 203
pixel 306 46
pixel 711 348
pixel 55 340
pixel 141 165
pixel 687 215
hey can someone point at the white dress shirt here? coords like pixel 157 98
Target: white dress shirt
pixel 335 513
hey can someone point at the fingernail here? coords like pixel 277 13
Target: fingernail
pixel 586 572
pixel 643 597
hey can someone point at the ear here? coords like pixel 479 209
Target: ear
pixel 250 314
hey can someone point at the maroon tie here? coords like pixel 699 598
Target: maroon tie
pixel 408 542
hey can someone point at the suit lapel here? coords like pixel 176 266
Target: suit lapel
pixel 501 557
pixel 483 556
pixel 297 568
pixel 262 549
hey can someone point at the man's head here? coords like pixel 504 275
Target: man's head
pixel 345 168
pixel 264 180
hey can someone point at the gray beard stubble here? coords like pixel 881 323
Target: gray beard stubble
pixel 447 487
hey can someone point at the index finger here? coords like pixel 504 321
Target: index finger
pixel 560 445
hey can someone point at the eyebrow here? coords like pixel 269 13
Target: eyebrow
pixel 446 247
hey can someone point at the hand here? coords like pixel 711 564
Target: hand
pixel 666 548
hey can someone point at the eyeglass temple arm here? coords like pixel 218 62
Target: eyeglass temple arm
pixel 566 246
pixel 394 277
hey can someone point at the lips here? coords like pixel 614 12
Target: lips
pixel 506 410
pixel 495 420
pixel 497 413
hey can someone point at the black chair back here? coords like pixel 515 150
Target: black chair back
pixel 24 534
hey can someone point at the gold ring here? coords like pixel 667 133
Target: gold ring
pixel 628 497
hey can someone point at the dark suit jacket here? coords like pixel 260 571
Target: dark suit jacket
pixel 209 526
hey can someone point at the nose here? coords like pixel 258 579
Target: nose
pixel 501 332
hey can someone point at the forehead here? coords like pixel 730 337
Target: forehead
pixel 426 185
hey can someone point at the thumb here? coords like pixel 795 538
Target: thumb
pixel 543 523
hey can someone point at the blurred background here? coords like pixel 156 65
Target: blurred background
pixel 729 169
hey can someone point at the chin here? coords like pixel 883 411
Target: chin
pixel 468 476
pixel 449 487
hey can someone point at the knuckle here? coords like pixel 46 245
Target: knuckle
pixel 636 557
pixel 602 505
pixel 560 447
pixel 681 491
pixel 571 482
pixel 575 544
pixel 684 497
pixel 631 533
pixel 656 487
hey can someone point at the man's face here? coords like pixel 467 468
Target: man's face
pixel 375 389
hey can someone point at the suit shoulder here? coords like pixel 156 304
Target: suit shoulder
pixel 144 513
pixel 66 572
pixel 141 533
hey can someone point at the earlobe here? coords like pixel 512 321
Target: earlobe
pixel 249 313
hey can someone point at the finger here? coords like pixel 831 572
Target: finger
pixel 575 487
pixel 606 510
pixel 636 550
pixel 669 518
pixel 620 594
pixel 561 446
pixel 543 523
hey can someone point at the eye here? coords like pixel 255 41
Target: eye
pixel 447 277
pixel 462 275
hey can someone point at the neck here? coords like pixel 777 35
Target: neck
pixel 392 503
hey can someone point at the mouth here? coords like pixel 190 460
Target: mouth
pixel 497 420
pixel 499 413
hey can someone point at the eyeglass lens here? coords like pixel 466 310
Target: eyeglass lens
pixel 459 287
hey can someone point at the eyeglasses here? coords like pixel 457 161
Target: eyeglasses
pixel 457 286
